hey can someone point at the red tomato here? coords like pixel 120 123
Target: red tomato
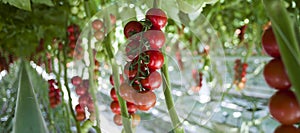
pixel 133 49
pixel 80 90
pixel 76 80
pixel 145 107
pixel 157 17
pixel 155 59
pixel 131 108
pixel 155 38
pixel 147 98
pixel 86 83
pixel 79 109
pixel 130 70
pixel 115 107
pixel 286 129
pixel 83 100
pixel 113 94
pixel 97 24
pixel 269 43
pixel 80 116
pixel 276 76
pixel 284 107
pixel 118 120
pixel 132 28
pixel 153 81
pixel 111 80
pixel 127 92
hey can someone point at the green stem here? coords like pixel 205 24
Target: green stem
pixel 58 77
pixel 68 89
pixel 116 76
pixel 168 97
pixel 91 70
pixel 91 82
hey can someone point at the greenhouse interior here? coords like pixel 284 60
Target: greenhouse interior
pixel 149 66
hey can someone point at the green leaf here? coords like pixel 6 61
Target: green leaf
pixel 46 2
pixel 22 4
pixel 190 6
pixel 28 117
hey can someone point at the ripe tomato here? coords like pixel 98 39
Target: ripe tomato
pixel 155 59
pixel 135 119
pixel 157 17
pixel 145 107
pixel 90 106
pixel 83 100
pixel 284 107
pixel 79 109
pixel 155 38
pixel 80 116
pixel 97 24
pixel 147 98
pixel 132 28
pixel 76 80
pixel 276 76
pixel 113 94
pixel 286 129
pixel 80 90
pixel 115 107
pixel 131 107
pixel 118 120
pixel 153 81
pixel 86 83
pixel 269 43
pixel 130 70
pixel 133 49
pixel 111 80
pixel 127 92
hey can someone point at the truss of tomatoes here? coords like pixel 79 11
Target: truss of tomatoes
pixel 144 59
pixel 85 99
pixel 283 104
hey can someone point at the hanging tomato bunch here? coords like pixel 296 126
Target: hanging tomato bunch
pixel 283 105
pixel 54 93
pixel 85 100
pixel 240 70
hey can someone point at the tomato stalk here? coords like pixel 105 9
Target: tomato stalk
pixel 284 30
pixel 91 69
pixel 168 96
pixel 58 76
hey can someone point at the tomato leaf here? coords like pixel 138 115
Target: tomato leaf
pixel 28 117
pixel 46 2
pixel 22 4
pixel 190 6
pixel 284 29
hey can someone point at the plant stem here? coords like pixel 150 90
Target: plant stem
pixel 68 90
pixel 91 82
pixel 168 97
pixel 91 70
pixel 116 76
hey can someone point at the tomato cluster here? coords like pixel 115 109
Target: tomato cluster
pixel 85 100
pixel 54 93
pixel 240 74
pixel 116 109
pixel 73 35
pixel 283 105
pixel 144 58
